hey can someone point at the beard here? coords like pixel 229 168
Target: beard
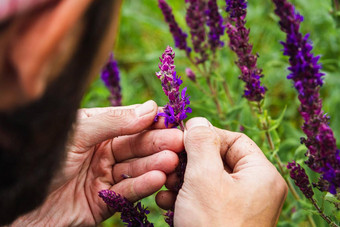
pixel 33 137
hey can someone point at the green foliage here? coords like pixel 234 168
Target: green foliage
pixel 144 35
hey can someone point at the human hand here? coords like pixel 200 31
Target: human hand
pixel 107 143
pixel 228 181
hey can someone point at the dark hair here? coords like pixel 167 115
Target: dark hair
pixel 33 138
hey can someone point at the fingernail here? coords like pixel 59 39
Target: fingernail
pixel 197 121
pixel 145 108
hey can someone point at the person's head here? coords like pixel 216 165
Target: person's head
pixel 48 54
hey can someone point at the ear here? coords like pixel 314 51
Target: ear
pixel 34 51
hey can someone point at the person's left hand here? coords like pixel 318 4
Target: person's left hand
pixel 107 143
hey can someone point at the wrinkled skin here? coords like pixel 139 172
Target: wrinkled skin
pixel 228 181
pixel 98 155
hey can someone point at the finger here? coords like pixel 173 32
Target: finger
pixel 147 143
pixel 202 145
pixel 140 187
pixel 172 181
pixel 165 161
pixel 90 112
pixel 236 146
pixel 166 200
pixel 115 122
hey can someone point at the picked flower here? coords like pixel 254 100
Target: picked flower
pixel 176 110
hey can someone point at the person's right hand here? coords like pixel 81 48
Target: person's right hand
pixel 228 181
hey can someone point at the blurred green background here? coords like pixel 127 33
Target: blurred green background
pixel 143 36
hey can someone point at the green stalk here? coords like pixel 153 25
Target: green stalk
pixel 280 164
pixel 325 217
pixel 211 88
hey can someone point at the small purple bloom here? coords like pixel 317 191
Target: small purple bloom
pixel 196 19
pixel 323 155
pixel 190 74
pixel 176 110
pixel 132 215
pixel 169 218
pixel 179 36
pixel 215 24
pixel 239 43
pixel 298 174
pixel 111 78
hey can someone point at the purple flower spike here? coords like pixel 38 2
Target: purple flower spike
pixel 179 36
pixel 169 218
pixel 190 74
pixel 132 215
pixel 215 24
pixel 196 20
pixel 239 43
pixel 176 110
pixel 111 78
pixel 298 174
pixel 323 155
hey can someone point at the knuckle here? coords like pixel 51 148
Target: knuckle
pixel 121 112
pixel 201 133
pixel 282 185
pixel 277 182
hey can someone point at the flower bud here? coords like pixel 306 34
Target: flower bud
pixel 191 75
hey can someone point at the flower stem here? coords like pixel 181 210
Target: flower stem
pixel 336 6
pixel 224 83
pixel 325 217
pixel 211 88
pixel 227 92
pixel 202 89
pixel 280 164
pixel 291 188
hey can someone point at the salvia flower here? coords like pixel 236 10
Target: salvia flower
pixel 176 110
pixel 215 24
pixel 298 174
pixel 111 78
pixel 177 33
pixel 132 215
pixel 169 218
pixel 196 19
pixel 190 74
pixel 239 43
pixel 323 155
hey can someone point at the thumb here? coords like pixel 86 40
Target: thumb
pixel 113 122
pixel 202 145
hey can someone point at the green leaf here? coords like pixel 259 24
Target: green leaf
pixel 331 198
pixel 274 124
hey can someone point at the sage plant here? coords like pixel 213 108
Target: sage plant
pixel 175 111
pixel 111 78
pixel 323 155
pixel 132 215
pixel 239 43
pixel 207 26
pixel 298 174
pixel 215 24
pixel 177 33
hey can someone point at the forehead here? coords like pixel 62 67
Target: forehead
pixel 10 8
